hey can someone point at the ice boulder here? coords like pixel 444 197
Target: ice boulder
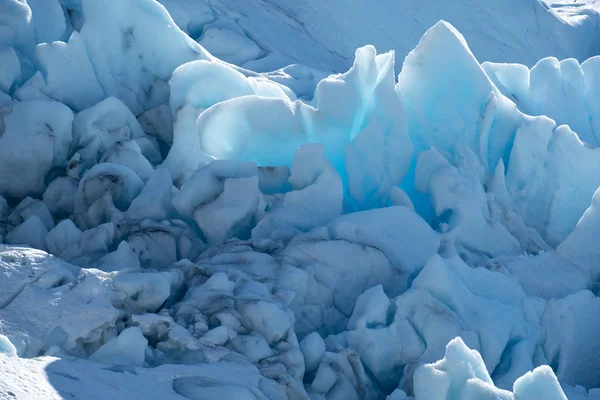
pixel 126 349
pixel 316 197
pixel 6 347
pixel 223 198
pixel 148 290
pixel 462 375
pixel 196 87
pixel 63 236
pixel 129 154
pixel 69 75
pixel 34 137
pixel 98 128
pixel 154 201
pixel 104 190
pixel 59 196
pixel 32 232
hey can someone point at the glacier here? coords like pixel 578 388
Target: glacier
pixel 193 208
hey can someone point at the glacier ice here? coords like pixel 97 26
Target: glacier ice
pixel 221 233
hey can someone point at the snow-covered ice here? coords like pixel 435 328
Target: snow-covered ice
pixel 299 200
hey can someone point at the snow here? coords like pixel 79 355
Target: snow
pixel 196 201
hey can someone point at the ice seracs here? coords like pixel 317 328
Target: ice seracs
pixel 220 234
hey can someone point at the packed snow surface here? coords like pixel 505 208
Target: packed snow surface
pixel 204 199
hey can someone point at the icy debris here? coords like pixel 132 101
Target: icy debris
pixel 127 349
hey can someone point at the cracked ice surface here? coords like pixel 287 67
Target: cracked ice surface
pixel 174 226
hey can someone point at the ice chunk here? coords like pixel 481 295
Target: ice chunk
pixel 124 257
pixel 371 309
pixel 59 196
pixel 6 347
pixel 29 207
pixel 63 236
pixel 313 349
pixel 539 383
pixel 204 84
pixel 102 190
pixel 35 137
pixel 32 232
pixel 315 200
pixel 68 73
pixel 97 128
pixel 126 349
pixel 154 201
pixel 424 74
pixel 461 374
pixel 376 228
pixel 268 319
pixel 223 198
pixel 129 154
pixel 148 290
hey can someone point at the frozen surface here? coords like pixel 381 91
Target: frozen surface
pixel 248 200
